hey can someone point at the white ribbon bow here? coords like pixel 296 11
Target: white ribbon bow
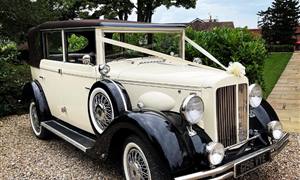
pixel 236 69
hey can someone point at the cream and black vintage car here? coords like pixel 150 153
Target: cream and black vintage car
pixel 124 91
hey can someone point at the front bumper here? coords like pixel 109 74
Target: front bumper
pixel 227 170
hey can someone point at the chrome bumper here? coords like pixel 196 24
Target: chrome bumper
pixel 227 170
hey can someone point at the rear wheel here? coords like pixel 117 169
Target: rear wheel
pixel 141 162
pixel 37 129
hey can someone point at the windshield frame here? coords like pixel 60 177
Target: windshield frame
pixel 100 38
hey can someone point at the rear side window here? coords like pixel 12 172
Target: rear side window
pixel 53 46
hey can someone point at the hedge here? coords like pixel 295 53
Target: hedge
pixel 231 45
pixel 13 76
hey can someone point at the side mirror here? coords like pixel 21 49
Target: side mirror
pixel 197 60
pixel 104 69
pixel 86 59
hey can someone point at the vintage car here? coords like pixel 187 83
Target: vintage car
pixel 124 91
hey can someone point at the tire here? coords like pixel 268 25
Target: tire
pixel 101 109
pixel 144 155
pixel 35 122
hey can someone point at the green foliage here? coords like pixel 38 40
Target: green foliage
pixel 279 21
pixel 274 66
pixel 166 43
pixel 8 51
pixel 76 43
pixel 18 16
pixel 281 48
pixel 230 45
pixel 13 76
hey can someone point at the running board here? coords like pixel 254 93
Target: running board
pixel 80 141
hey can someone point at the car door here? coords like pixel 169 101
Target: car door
pixel 78 76
pixel 50 70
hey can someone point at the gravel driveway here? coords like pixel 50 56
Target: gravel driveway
pixel 22 156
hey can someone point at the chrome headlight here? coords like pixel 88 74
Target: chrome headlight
pixel 215 152
pixel 275 128
pixel 192 108
pixel 255 95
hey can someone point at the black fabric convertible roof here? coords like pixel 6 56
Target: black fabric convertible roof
pixel 35 38
pixel 107 23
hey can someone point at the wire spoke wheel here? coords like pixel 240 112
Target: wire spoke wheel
pixel 101 109
pixel 135 163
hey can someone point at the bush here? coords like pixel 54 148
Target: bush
pixel 8 51
pixel 280 48
pixel 13 76
pixel 230 45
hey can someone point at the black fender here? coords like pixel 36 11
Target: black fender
pixel 264 114
pixel 116 91
pixel 177 149
pixel 258 121
pixel 33 90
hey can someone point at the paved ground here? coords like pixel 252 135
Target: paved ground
pixel 285 97
pixel 23 156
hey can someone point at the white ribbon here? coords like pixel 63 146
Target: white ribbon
pixel 203 51
pixel 234 68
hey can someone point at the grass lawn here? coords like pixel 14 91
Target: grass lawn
pixel 274 66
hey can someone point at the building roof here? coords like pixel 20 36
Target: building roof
pixel 201 25
pixel 105 23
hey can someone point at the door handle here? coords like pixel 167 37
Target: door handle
pixel 59 71
pixel 41 77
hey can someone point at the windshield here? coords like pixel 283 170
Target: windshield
pixel 167 43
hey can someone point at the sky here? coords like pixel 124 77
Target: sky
pixel 241 12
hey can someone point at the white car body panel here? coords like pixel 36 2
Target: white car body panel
pixel 69 90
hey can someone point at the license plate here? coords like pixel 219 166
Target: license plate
pixel 251 163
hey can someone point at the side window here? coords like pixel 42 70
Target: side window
pixel 81 47
pixel 53 45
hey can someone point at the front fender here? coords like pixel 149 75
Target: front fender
pixel 259 119
pixel 180 151
pixel 263 114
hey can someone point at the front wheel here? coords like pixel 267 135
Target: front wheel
pixel 141 162
pixel 37 129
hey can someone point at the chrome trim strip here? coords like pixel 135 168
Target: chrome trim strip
pixel 155 84
pixel 277 146
pixel 122 95
pixel 61 135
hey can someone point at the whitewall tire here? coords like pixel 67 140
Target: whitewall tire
pixel 101 109
pixel 141 162
pixel 37 129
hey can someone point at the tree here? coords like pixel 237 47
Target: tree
pixel 145 8
pixel 112 9
pixel 279 21
pixel 17 16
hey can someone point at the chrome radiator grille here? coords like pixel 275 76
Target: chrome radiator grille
pixel 243 111
pixel 228 101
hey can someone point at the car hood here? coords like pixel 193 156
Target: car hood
pixel 175 73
